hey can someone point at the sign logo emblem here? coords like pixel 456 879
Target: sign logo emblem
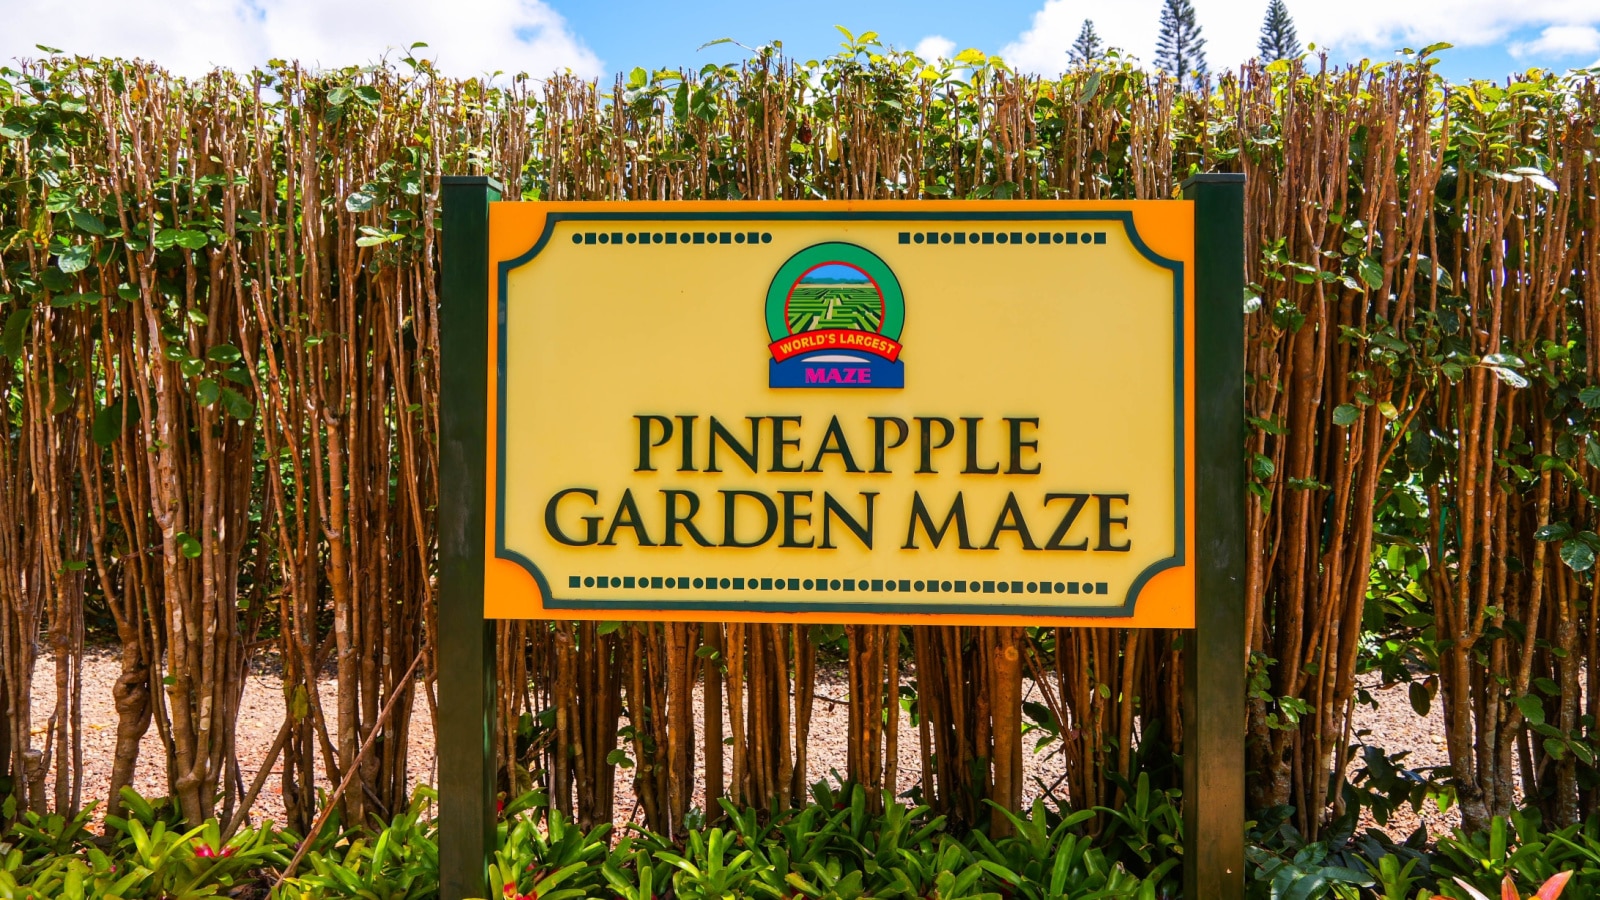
pixel 834 316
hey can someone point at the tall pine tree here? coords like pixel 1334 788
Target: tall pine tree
pixel 1087 47
pixel 1278 39
pixel 1180 50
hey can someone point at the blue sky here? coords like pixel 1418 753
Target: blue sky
pixel 835 272
pixel 667 34
pixel 1493 37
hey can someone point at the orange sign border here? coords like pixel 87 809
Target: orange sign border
pixel 1166 226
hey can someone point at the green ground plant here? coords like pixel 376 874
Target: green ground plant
pixel 832 849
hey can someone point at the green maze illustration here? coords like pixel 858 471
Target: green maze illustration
pixel 814 307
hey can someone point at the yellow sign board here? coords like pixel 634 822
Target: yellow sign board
pixel 927 412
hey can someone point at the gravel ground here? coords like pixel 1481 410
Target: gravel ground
pixel 1396 727
pixel 1393 725
pixel 260 717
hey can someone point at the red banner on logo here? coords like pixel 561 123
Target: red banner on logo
pixel 834 339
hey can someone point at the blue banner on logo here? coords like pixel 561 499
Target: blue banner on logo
pixel 832 368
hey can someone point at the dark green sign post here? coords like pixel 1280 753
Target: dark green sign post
pixel 1214 651
pixel 465 653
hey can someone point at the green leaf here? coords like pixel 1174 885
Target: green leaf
pixel 74 259
pixel 359 202
pixel 207 391
pixel 1578 555
pixel 223 353
pixel 1421 699
pixel 1590 396
pixel 1267 425
pixel 60 201
pixel 188 546
pixel 15 330
pixel 1555 531
pixel 107 423
pixel 168 238
pixel 369 95
pixel 88 223
pixel 1532 709
pixel 76 299
pixel 1091 86
pixel 1262 467
pixel 1442 276
pixel 1511 377
pixel 1346 415
pixel 1371 272
pixel 236 404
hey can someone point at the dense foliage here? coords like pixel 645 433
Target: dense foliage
pixel 833 848
pixel 218 384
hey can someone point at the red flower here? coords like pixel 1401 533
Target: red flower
pixel 228 851
pixel 205 852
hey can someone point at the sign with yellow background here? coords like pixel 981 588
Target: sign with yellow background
pixel 939 413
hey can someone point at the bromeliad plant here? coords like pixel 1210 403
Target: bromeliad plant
pixel 140 857
pixel 1050 857
pixel 545 856
pixel 399 862
pixel 1550 890
pixel 833 850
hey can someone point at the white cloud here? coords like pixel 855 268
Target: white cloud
pixel 936 46
pixel 464 37
pixel 1560 41
pixel 1354 28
